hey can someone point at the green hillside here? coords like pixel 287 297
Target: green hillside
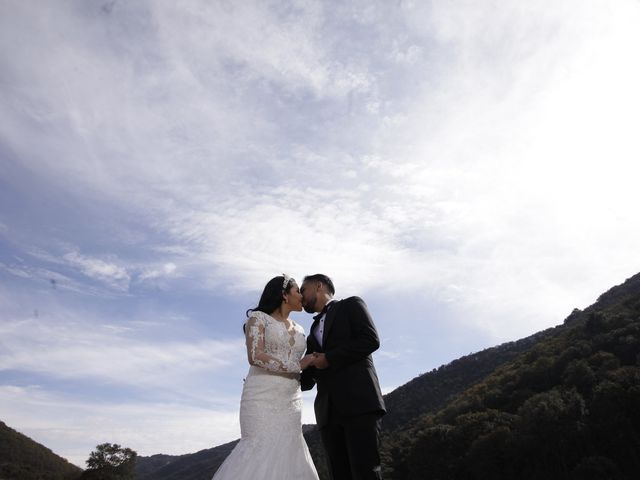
pixel 568 407
pixel 194 466
pixel 23 459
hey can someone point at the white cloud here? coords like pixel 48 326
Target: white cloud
pixel 277 46
pixel 73 428
pixel 166 270
pixel 62 348
pixel 15 271
pixel 54 280
pixel 489 167
pixel 106 271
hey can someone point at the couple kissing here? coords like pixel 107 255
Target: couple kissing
pixel 335 358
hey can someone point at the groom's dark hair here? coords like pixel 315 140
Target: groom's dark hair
pixel 322 278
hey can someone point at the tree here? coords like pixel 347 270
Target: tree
pixel 110 462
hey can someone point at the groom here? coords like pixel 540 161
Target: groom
pixel 348 403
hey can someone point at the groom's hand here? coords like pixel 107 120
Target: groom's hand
pixel 307 361
pixel 320 361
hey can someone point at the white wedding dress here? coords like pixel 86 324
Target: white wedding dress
pixel 271 446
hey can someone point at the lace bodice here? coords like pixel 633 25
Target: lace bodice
pixel 271 346
pixel 272 446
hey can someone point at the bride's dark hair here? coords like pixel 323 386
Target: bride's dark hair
pixel 271 297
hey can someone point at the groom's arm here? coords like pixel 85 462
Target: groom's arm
pixel 364 340
pixel 307 380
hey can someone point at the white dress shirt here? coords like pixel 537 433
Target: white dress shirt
pixel 318 332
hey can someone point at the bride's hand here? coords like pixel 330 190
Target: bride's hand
pixel 307 361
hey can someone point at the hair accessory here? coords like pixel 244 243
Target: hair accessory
pixel 287 279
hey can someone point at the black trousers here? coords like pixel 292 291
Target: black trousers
pixel 352 445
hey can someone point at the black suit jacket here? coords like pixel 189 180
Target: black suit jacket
pixel 350 384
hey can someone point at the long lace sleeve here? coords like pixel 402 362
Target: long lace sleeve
pixel 257 349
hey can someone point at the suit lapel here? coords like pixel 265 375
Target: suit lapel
pixel 311 338
pixel 328 321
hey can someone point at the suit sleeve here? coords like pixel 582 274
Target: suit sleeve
pixel 364 337
pixel 307 380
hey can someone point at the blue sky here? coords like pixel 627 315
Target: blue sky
pixel 469 168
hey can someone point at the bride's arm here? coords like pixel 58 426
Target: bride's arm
pixel 256 352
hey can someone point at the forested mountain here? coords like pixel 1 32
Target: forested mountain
pixel 23 459
pixel 566 407
pixel 202 465
pixel 431 391
pixel 193 466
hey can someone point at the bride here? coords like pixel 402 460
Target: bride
pixel 272 446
